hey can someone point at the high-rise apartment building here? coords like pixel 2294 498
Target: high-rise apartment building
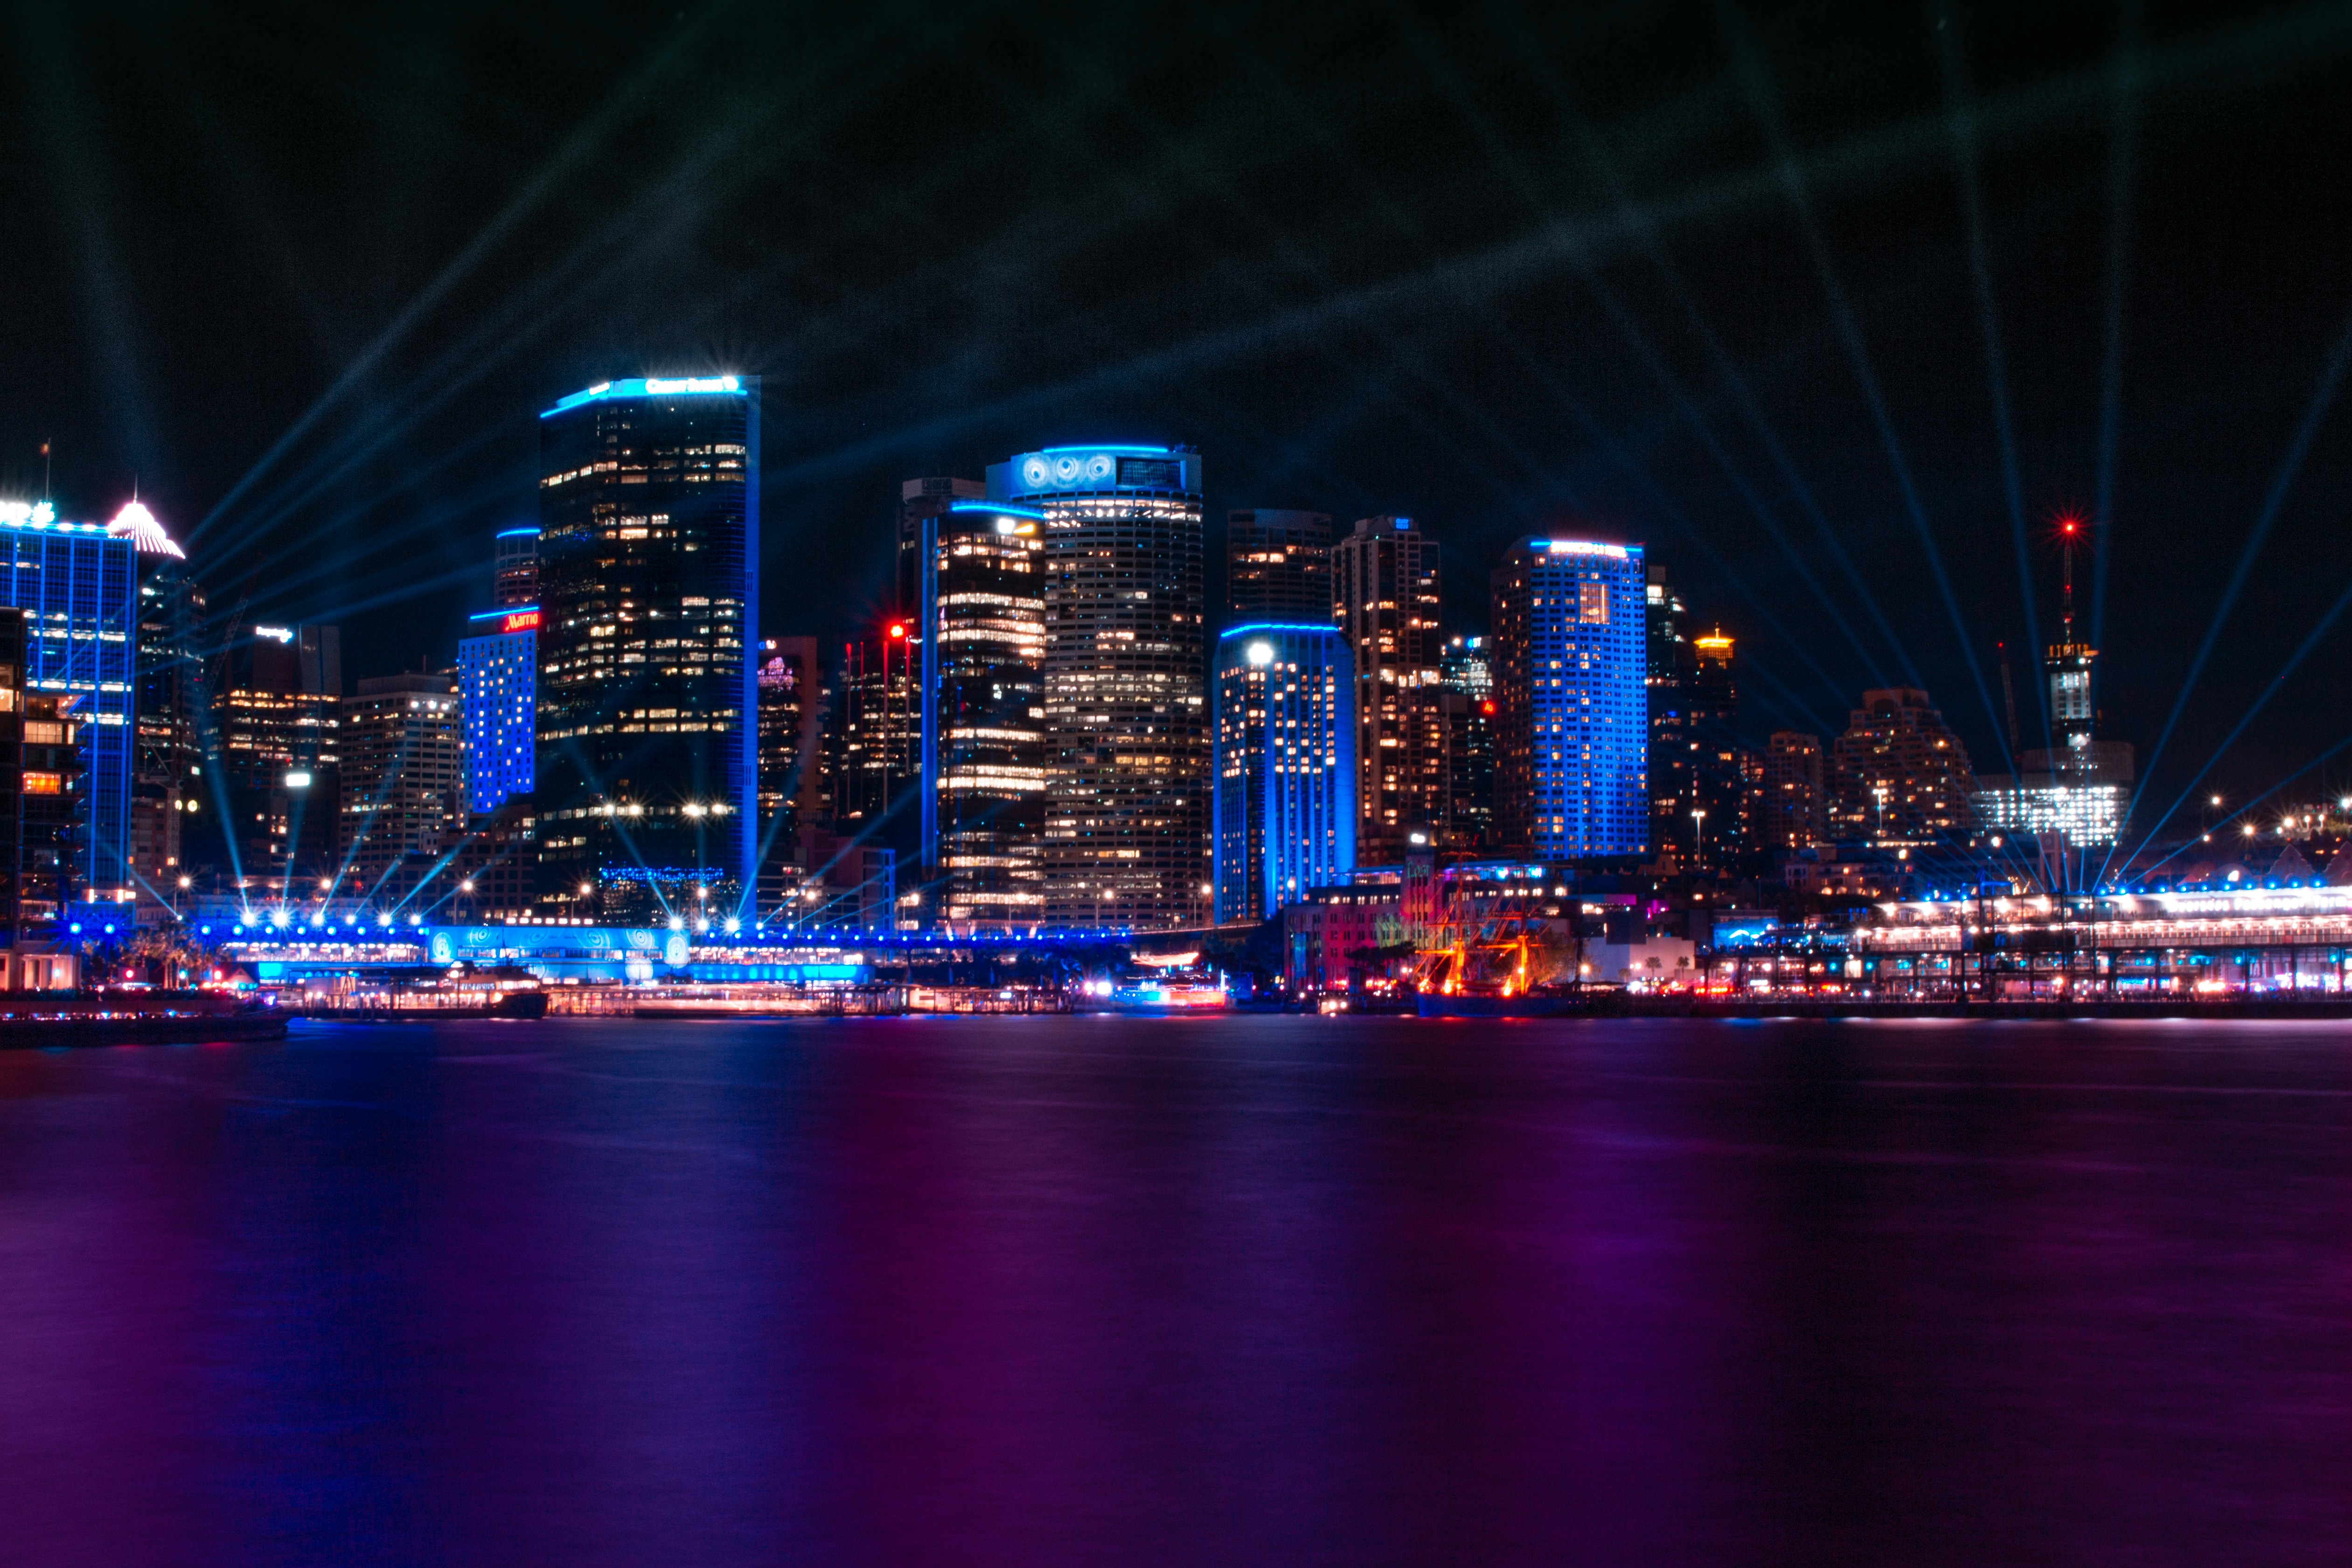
pixel 1277 565
pixel 170 720
pixel 1571 705
pixel 78 584
pixel 646 771
pixel 1899 774
pixel 1384 581
pixel 1126 723
pixel 403 780
pixel 1796 792
pixel 1465 698
pixel 984 750
pixel 1284 813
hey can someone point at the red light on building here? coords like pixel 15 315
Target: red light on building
pixel 896 630
pixel 520 621
pixel 1488 706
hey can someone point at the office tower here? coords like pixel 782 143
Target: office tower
pixel 647 767
pixel 1572 734
pixel 1465 699
pixel 1385 580
pixel 1277 565
pixel 497 678
pixel 171 722
pixel 514 582
pixel 794 778
pixel 921 501
pixel 77 583
pixel 1899 775
pixel 1796 796
pixel 40 764
pixel 877 767
pixel 272 810
pixel 403 780
pixel 1284 809
pixel 1127 725
pixel 1699 799
pixel 983 724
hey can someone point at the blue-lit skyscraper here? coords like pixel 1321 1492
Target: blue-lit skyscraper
pixel 498 671
pixel 79 586
pixel 1284 797
pixel 1571 733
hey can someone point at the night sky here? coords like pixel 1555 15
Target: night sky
pixel 1836 308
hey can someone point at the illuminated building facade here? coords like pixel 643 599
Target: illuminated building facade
pixel 1571 746
pixel 1126 723
pixel 77 583
pixel 646 767
pixel 1899 776
pixel 498 675
pixel 1702 797
pixel 1796 792
pixel 403 780
pixel 515 568
pixel 877 770
pixel 794 777
pixel 983 726
pixel 1277 565
pixel 1385 578
pixel 39 794
pixel 1284 809
pixel 173 718
pixel 272 814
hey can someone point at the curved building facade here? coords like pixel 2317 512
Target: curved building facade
pixel 1126 723
pixel 1572 733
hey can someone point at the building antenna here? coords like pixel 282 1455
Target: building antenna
pixel 48 492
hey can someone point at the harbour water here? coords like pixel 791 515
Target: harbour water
pixel 1236 1290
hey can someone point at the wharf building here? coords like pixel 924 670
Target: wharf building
pixel 404 785
pixel 1385 578
pixel 1277 565
pixel 171 726
pixel 40 764
pixel 1126 722
pixel 645 771
pixel 1571 734
pixel 1283 807
pixel 77 583
pixel 1899 775
pixel 1466 704
pixel 984 717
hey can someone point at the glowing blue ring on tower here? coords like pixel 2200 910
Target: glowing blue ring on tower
pixel 1035 471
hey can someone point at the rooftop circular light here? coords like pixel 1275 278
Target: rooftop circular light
pixel 1261 653
pixel 137 524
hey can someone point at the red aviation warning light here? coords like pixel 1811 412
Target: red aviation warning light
pixel 897 630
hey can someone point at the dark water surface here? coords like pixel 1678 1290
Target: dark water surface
pixel 1195 1291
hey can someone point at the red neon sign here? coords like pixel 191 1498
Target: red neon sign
pixel 520 621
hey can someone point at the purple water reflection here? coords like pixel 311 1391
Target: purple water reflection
pixel 1278 1291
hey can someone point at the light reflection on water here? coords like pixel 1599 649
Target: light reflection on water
pixel 1235 1291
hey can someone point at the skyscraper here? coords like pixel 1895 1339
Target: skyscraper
pixel 922 502
pixel 78 584
pixel 38 796
pixel 647 770
pixel 792 774
pixel 1571 707
pixel 1465 696
pixel 515 576
pixel 983 651
pixel 498 674
pixel 1277 565
pixel 1699 798
pixel 170 720
pixel 403 780
pixel 879 766
pixel 273 812
pixel 1284 817
pixel 1385 578
pixel 1125 721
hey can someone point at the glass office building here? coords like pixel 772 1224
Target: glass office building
pixel 1285 794
pixel 1571 696
pixel 646 768
pixel 1126 722
pixel 78 584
